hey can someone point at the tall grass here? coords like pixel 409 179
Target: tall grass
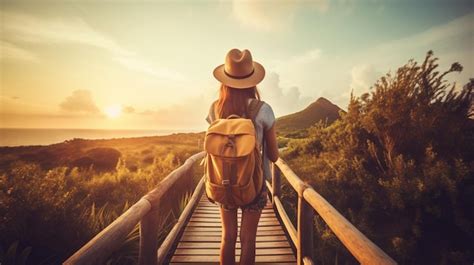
pixel 53 211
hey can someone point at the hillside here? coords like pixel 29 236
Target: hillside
pixel 78 187
pixel 320 110
pixel 103 154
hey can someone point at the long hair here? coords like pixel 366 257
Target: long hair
pixel 234 101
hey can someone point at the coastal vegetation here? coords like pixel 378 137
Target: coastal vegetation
pixel 399 165
pixel 53 199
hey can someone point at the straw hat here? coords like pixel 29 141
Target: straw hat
pixel 239 70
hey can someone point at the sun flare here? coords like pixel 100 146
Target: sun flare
pixel 113 111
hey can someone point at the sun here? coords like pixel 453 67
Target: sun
pixel 113 111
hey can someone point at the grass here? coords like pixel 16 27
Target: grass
pixel 51 207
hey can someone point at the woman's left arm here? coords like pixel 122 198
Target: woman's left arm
pixel 272 145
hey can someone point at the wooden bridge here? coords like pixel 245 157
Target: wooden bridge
pixel 196 236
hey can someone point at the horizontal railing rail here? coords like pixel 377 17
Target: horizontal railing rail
pixel 309 202
pixel 144 211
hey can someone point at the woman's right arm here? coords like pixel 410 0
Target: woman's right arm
pixel 272 145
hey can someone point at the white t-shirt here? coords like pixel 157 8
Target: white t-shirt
pixel 263 121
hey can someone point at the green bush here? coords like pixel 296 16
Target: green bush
pixel 399 165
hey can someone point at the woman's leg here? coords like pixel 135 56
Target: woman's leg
pixel 248 233
pixel 229 236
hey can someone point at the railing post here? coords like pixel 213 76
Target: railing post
pixel 304 230
pixel 276 182
pixel 148 239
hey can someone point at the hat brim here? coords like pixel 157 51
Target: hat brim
pixel 256 77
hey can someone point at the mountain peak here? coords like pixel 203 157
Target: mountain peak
pixel 323 100
pixel 320 110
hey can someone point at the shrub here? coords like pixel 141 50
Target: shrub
pixel 399 165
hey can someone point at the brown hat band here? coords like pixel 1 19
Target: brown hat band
pixel 239 77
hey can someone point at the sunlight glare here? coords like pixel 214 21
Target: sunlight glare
pixel 113 111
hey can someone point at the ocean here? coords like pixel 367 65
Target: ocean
pixel 18 137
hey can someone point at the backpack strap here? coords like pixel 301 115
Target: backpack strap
pixel 212 111
pixel 252 110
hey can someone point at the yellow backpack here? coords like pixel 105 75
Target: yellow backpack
pixel 233 165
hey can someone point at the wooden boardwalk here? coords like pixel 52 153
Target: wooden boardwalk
pixel 196 236
pixel 200 241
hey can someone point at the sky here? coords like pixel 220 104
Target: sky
pixel 148 64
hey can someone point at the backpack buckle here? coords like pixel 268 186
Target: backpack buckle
pixel 225 182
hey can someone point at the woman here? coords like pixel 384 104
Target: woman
pixel 239 77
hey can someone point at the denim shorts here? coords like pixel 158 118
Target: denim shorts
pixel 257 206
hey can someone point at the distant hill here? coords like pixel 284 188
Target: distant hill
pixel 321 109
pixel 103 154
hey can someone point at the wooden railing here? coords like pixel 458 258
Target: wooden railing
pixel 309 201
pixel 146 212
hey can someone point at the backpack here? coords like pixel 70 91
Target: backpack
pixel 233 165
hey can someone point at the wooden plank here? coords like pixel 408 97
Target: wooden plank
pixel 208 245
pixel 217 211
pixel 304 250
pixel 214 219
pixel 269 188
pixel 148 238
pixel 215 251
pixel 218 220
pixel 217 263
pixel 260 228
pixel 210 214
pixel 266 258
pixel 218 233
pixel 218 238
pixel 276 181
pixel 171 238
pixel 217 214
pixel 215 208
pixel 218 224
pixel 286 221
pixel 206 201
pixel 216 205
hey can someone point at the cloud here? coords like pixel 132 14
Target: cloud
pixel 272 15
pixel 307 57
pixel 296 62
pixel 461 26
pixel 128 109
pixel 28 29
pixel 363 77
pixel 191 111
pixel 79 101
pixel 283 101
pixel 451 42
pixel 311 71
pixel 14 104
pixel 12 51
pixel 188 114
